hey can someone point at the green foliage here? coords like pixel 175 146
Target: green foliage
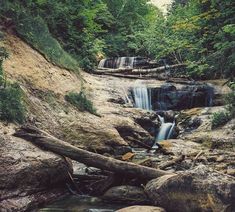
pixel 11 104
pixel 35 31
pixel 199 33
pixel 230 101
pixel 219 119
pixel 80 101
pixel 3 56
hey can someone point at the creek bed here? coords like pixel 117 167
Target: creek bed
pixel 79 203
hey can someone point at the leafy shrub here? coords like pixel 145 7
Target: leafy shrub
pixel 11 106
pixel 230 101
pixel 219 119
pixel 3 55
pixel 80 101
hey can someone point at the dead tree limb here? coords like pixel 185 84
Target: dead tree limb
pixel 48 142
pixel 172 162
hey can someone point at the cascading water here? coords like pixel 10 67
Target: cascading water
pixel 101 64
pixel 165 131
pixel 142 97
pixel 118 63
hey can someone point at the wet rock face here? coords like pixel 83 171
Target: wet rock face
pixel 196 190
pixel 126 194
pixel 28 175
pixel 149 122
pixel 168 97
pixel 131 134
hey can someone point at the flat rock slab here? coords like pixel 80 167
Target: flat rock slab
pixel 138 208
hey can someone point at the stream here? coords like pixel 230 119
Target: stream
pixel 79 203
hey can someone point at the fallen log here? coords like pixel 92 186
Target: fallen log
pixel 138 71
pixel 48 142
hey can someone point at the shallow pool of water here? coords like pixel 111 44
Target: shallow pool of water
pixel 81 204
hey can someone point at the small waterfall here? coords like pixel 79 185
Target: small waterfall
pixel 142 97
pixel 209 97
pixel 171 130
pixel 131 62
pixel 126 63
pixel 165 131
pixel 117 63
pixel 101 64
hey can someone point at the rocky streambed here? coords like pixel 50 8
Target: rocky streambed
pixel 203 159
pixel 199 161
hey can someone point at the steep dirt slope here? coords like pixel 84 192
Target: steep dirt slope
pixel 28 66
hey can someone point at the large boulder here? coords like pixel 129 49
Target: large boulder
pixel 196 190
pixel 28 175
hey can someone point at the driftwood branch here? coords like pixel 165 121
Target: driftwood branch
pixel 172 162
pixel 48 142
pixel 195 159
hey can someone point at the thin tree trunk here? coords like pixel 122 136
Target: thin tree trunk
pixel 48 142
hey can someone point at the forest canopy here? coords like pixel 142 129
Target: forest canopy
pixel 198 33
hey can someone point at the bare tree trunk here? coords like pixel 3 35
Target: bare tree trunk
pixel 48 142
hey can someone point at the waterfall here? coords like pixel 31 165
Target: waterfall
pixel 165 131
pixel 142 97
pixel 171 130
pixel 101 64
pixel 209 97
pixel 117 63
pixel 122 63
pixel 131 62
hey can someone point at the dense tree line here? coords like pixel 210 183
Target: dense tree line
pixel 199 33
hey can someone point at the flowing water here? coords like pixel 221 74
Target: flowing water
pixel 122 63
pixel 142 97
pixel 76 203
pixel 165 131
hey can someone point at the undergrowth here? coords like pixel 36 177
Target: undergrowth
pixel 80 101
pixel 222 117
pixel 12 108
